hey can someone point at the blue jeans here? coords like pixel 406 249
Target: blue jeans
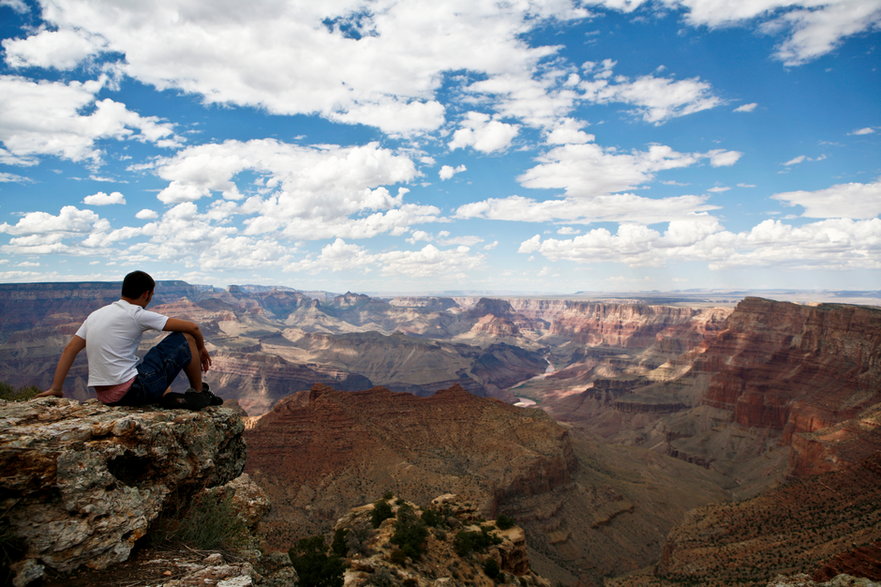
pixel 157 370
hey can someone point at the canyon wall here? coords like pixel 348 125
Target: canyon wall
pixel 321 452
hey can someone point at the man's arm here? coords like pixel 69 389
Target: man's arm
pixel 68 355
pixel 191 328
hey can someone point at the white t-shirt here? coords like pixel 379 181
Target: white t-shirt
pixel 112 336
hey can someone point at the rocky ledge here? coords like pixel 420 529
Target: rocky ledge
pixel 82 482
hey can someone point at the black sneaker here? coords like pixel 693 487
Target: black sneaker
pixel 214 400
pixel 190 400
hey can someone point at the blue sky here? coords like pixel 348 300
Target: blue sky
pixel 543 146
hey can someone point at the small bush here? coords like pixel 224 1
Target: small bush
pixel 339 546
pixel 491 569
pixel 314 566
pixel 381 511
pixel 467 541
pixel 21 394
pixel 210 523
pixel 410 533
pixel 433 518
pixel 504 522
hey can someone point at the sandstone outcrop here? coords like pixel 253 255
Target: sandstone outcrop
pixel 374 555
pixel 321 452
pixel 81 483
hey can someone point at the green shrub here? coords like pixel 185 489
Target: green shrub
pixel 381 511
pixel 410 533
pixel 209 523
pixel 339 546
pixel 21 394
pixel 504 522
pixel 314 566
pixel 491 569
pixel 468 541
pixel 433 518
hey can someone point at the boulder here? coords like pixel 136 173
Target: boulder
pixel 82 482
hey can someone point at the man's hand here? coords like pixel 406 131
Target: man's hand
pixel 204 358
pixel 50 393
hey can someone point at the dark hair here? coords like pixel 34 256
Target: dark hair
pixel 136 283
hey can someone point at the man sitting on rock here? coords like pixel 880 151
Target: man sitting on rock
pixel 111 336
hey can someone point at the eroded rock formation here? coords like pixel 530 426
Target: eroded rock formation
pixel 446 558
pixel 321 452
pixel 82 482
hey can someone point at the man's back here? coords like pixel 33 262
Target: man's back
pixel 112 336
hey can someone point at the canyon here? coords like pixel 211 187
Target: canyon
pixel 670 440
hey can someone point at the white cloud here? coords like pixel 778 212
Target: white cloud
pixel 723 158
pixel 46 118
pixel 802 158
pixel 448 171
pixel 429 261
pixel 827 244
pixel 863 131
pixel 484 134
pixel 41 233
pixel 16 5
pixel 70 220
pixel 104 199
pixel 747 107
pixel 848 200
pixel 657 99
pixel 62 49
pixel 13 178
pixel 588 170
pixel 348 75
pixel 817 31
pixel 568 131
pixel 814 27
pixel 146 214
pixel 301 192
pixel 606 208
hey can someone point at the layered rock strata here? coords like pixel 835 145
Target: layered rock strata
pixel 321 452
pixel 81 483
pixel 824 525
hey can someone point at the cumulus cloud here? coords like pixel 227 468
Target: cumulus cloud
pixel 428 261
pixel 483 133
pixel 448 171
pixel 568 131
pixel 606 208
pixel 43 233
pixel 747 107
pixel 301 192
pixel 348 76
pixel 146 214
pixel 656 99
pixel 827 244
pixel 104 199
pixel 847 200
pixel 49 118
pixel 588 170
pixel 61 49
